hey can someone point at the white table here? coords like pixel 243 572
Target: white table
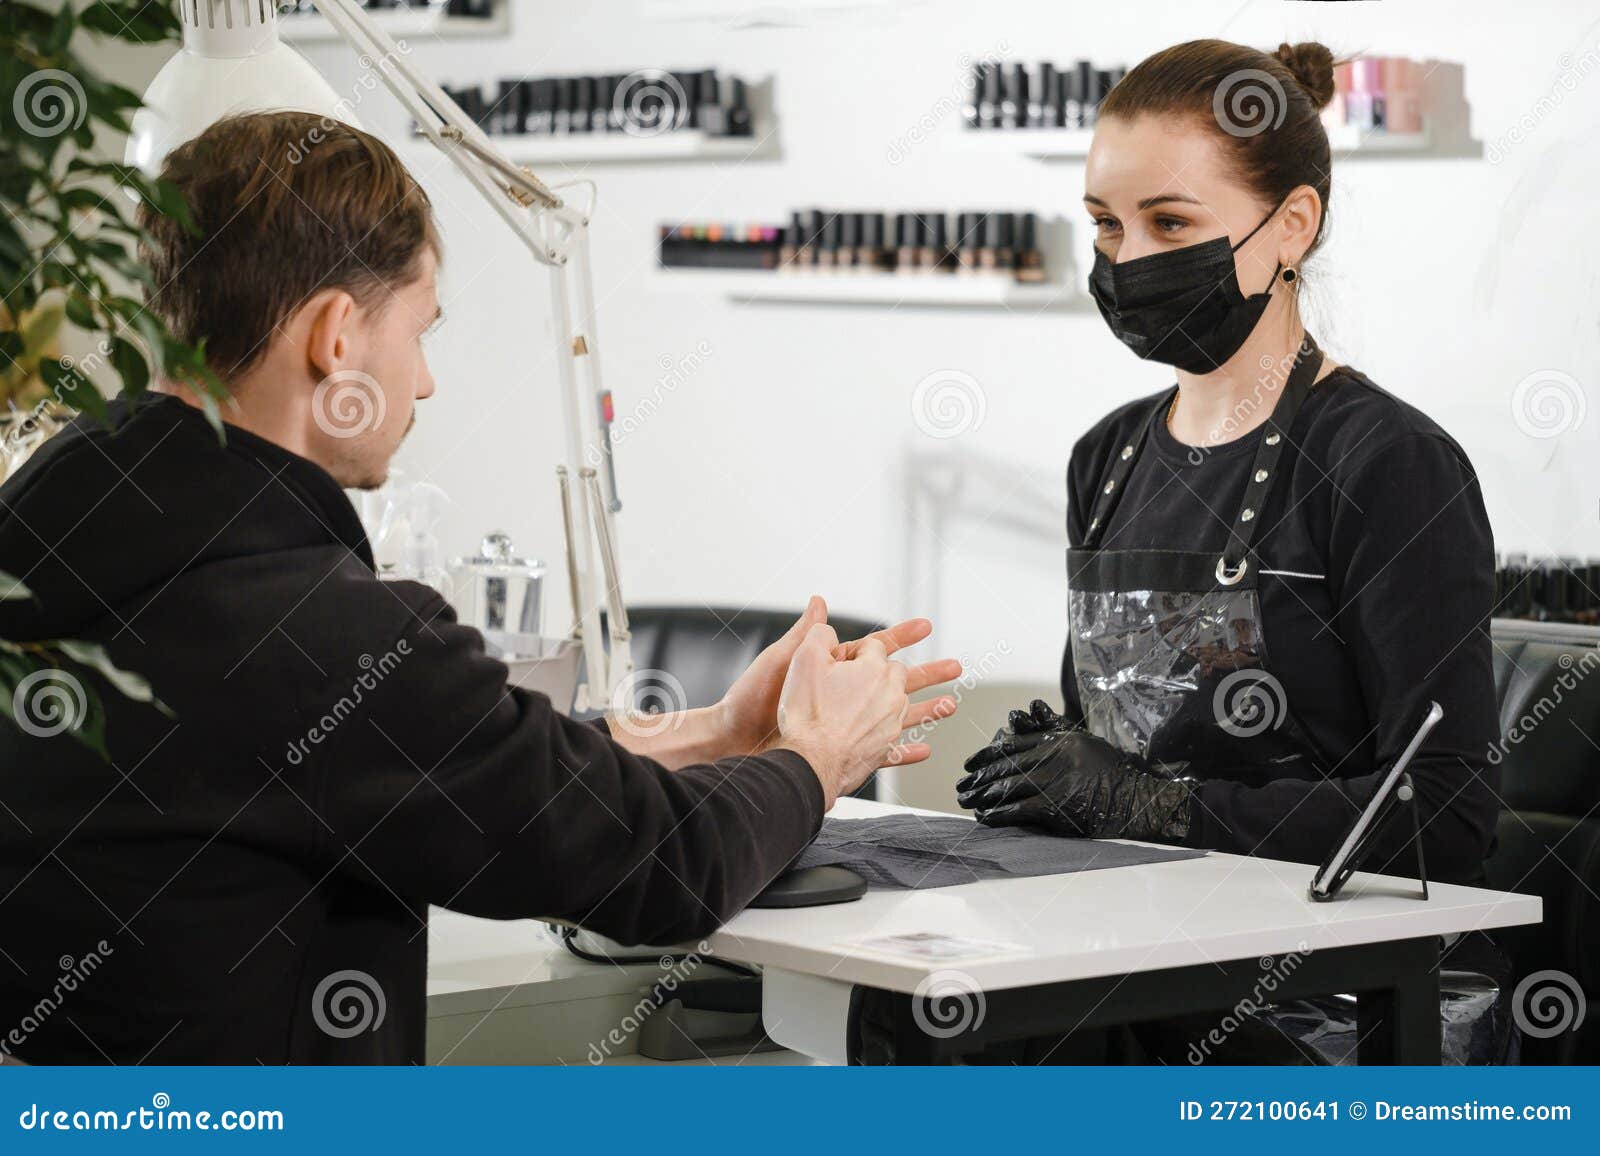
pixel 1093 948
pixel 1112 946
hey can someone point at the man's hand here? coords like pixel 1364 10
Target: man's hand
pixel 843 716
pixel 748 713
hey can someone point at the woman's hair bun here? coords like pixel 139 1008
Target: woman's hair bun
pixel 1312 65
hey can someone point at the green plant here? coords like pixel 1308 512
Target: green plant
pixel 69 237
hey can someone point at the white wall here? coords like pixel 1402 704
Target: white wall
pixel 779 467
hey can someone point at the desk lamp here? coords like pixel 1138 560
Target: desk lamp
pixel 233 61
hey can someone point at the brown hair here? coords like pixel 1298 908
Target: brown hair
pixel 287 204
pixel 1263 107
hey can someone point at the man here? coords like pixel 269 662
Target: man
pixel 339 753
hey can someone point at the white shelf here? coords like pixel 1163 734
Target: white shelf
pixel 1073 143
pixel 607 147
pixel 891 289
pixel 1347 138
pixel 399 23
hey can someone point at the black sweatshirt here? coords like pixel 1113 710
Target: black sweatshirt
pixel 343 754
pixel 1376 573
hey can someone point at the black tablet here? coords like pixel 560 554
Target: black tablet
pixel 1333 872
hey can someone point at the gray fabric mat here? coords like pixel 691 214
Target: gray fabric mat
pixel 917 851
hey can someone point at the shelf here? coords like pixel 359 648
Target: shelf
pixel 621 147
pixel 1346 139
pixel 399 23
pixel 943 290
pixel 1073 143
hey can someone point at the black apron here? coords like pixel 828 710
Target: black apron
pixel 1172 665
pixel 1168 649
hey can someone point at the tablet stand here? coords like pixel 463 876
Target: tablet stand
pixel 1404 795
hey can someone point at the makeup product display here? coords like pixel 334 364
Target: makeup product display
pixel 647 102
pixel 834 242
pixel 1377 94
pixel 1008 94
pixel 721 246
pixel 1547 589
pixel 470 9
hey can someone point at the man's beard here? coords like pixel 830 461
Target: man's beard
pixel 375 480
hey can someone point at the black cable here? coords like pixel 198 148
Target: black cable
pixel 569 936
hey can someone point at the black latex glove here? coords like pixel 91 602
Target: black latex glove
pixel 1072 783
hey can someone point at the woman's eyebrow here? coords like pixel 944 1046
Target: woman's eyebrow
pixel 1148 202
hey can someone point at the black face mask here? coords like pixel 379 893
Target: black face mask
pixel 1182 308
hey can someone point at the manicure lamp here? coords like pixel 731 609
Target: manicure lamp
pixel 233 61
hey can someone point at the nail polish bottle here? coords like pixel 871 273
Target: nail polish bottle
pixel 874 242
pixel 936 242
pixel 989 105
pixel 740 122
pixel 1077 87
pixel 581 118
pixel 966 244
pixel 983 233
pixel 561 113
pixel 1030 260
pixel 1098 79
pixel 789 249
pixel 828 245
pixel 1042 102
pixel 710 116
pixel 1014 96
pixel 907 240
pixel 973 96
pixel 849 242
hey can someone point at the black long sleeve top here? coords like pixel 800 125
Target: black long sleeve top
pixel 340 755
pixel 1375 565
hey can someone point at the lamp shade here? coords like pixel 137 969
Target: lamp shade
pixel 232 61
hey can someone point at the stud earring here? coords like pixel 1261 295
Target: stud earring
pixel 1289 276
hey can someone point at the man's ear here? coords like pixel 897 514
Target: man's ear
pixel 326 322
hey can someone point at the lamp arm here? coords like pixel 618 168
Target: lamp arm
pixel 557 235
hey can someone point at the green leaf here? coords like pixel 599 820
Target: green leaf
pixel 61 30
pixel 12 589
pixel 80 312
pixel 93 655
pixel 130 364
pixel 72 388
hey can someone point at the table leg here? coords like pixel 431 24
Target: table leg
pixel 1400 1024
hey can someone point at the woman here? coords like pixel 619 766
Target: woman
pixel 1275 564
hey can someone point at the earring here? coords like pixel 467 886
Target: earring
pixel 1289 276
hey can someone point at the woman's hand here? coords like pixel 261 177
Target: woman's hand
pixel 1040 773
pixel 747 716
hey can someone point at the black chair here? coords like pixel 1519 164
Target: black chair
pixel 1548 841
pixel 704 648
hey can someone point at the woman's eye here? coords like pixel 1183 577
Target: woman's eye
pixel 1171 224
pixel 1105 224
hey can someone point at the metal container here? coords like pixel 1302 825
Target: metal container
pixel 498 591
